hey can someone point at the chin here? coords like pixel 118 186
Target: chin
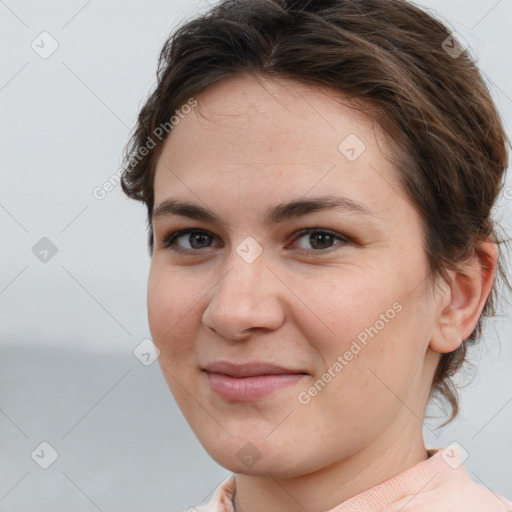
pixel 260 458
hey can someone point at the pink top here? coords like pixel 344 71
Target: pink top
pixel 439 484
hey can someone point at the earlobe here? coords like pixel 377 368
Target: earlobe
pixel 447 339
pixel 468 291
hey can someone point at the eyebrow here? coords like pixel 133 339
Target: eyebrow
pixel 274 215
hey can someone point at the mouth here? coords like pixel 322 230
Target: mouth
pixel 250 381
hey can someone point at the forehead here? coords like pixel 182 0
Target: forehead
pixel 258 109
pixel 273 136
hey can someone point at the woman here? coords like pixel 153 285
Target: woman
pixel 322 247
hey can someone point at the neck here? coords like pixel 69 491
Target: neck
pixel 328 487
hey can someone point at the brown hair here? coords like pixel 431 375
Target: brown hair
pixel 450 148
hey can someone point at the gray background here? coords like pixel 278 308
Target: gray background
pixel 68 326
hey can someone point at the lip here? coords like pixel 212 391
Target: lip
pixel 249 369
pixel 249 381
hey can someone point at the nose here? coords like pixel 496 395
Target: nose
pixel 246 299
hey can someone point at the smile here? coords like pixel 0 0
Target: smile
pixel 249 381
pixel 250 388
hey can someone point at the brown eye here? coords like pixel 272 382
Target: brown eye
pixel 314 239
pixel 198 240
pixel 321 240
pixel 188 240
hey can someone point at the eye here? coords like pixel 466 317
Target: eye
pixel 192 240
pixel 318 239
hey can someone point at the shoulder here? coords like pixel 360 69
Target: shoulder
pixel 477 498
pixel 458 492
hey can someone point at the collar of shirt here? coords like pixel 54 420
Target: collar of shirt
pixel 441 482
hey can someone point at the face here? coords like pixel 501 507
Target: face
pixel 289 334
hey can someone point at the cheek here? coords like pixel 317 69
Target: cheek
pixel 356 306
pixel 173 322
pixel 172 311
pixel 363 331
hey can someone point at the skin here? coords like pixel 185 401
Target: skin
pixel 252 143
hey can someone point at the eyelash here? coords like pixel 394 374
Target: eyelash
pixel 168 241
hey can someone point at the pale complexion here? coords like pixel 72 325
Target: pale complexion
pixel 248 146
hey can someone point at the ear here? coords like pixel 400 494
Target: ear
pixel 463 299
